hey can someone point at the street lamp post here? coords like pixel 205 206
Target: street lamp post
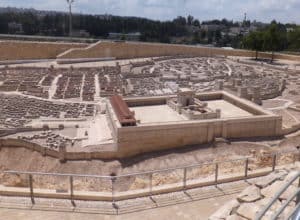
pixel 70 2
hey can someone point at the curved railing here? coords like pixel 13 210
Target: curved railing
pixel 294 214
pixel 107 188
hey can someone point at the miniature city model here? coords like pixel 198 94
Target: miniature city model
pixel 124 110
pixel 131 116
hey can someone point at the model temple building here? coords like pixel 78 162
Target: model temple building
pixel 140 124
pixel 192 108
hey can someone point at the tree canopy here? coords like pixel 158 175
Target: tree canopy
pixel 273 38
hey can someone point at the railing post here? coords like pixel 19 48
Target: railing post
pixel 246 168
pixel 184 178
pixel 298 153
pixel 150 183
pixel 31 188
pixel 298 195
pixel 274 162
pixel 71 189
pixel 113 190
pixel 216 173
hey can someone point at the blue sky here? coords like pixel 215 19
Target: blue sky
pixel 261 10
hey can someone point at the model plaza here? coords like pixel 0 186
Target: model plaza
pixel 187 107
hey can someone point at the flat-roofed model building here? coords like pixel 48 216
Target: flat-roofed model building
pixel 125 116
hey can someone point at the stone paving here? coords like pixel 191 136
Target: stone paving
pixel 255 198
pixel 197 203
pixel 194 210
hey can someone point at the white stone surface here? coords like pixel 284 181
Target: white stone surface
pixel 156 114
pixel 98 131
pixel 235 217
pixel 290 176
pixel 228 110
pixel 271 178
pixel 225 210
pixel 53 87
pixel 250 194
pixel 248 210
pixel 271 190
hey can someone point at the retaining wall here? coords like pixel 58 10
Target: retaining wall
pixel 61 154
pixel 147 138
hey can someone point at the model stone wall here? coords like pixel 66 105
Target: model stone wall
pixel 135 140
pixel 62 155
pixel 260 126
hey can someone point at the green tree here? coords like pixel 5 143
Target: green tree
pixel 196 38
pixel 254 41
pixel 203 34
pixel 196 23
pixel 190 20
pixel 218 36
pixel 293 39
pixel 274 38
pixel 210 35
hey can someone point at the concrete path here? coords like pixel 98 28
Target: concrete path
pixel 197 203
pixel 199 210
pixel 97 88
pixel 53 87
pixel 287 104
pixel 229 69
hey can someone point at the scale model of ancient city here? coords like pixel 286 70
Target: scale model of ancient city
pixel 118 108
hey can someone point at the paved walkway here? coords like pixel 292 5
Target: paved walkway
pixel 197 204
pixel 200 210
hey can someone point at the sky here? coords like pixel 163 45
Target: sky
pixel 261 10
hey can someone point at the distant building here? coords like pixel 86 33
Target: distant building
pixel 80 33
pixel 15 28
pixel 290 29
pixel 212 27
pixel 121 36
pixel 234 31
pixel 253 28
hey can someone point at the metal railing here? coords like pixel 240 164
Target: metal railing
pixel 212 177
pixel 296 194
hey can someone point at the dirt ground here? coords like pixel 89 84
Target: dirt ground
pixel 26 160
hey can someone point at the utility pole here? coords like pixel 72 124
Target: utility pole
pixel 70 2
